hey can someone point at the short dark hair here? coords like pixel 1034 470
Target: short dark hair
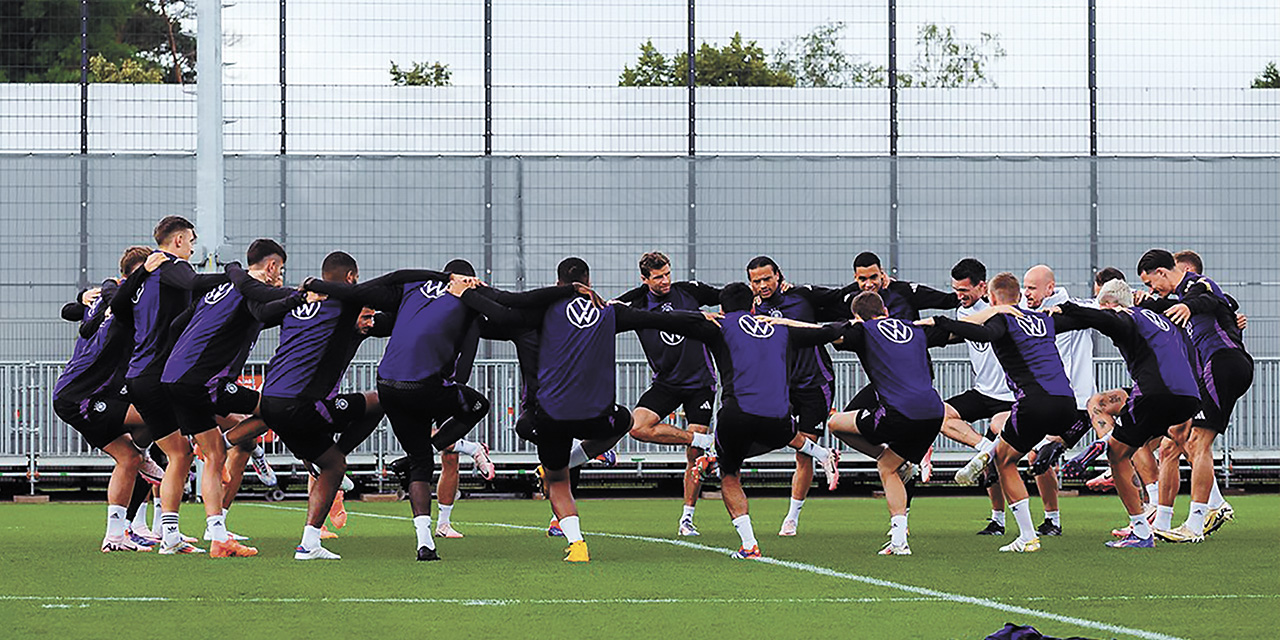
pixel 1187 256
pixel 573 270
pixel 969 269
pixel 168 226
pixel 1005 287
pixel 1155 259
pixel 337 265
pixel 460 267
pixel 735 296
pixel 653 261
pixel 264 248
pixel 764 261
pixel 868 305
pixel 1107 274
pixel 866 259
pixel 133 258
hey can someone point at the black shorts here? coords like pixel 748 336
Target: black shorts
pixel 195 405
pixel 741 435
pixel 973 405
pixel 1226 377
pixel 100 419
pixel 151 399
pixel 307 427
pixel 1034 417
pixel 810 408
pixel 662 399
pixel 1147 417
pixel 415 409
pixel 1075 433
pixel 866 398
pixel 908 438
pixel 555 437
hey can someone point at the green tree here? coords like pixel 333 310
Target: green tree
pixel 422 75
pixel 736 64
pixel 128 71
pixel 944 61
pixel 42 38
pixel 817 60
pixel 1268 79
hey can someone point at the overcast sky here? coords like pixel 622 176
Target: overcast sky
pixel 1142 43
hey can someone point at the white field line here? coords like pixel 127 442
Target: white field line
pixel 921 594
pixel 824 571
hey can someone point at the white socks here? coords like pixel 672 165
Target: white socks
pixel 986 446
pixel 422 525
pixel 793 512
pixel 1153 493
pixel 217 526
pixel 1215 495
pixel 998 517
pixel 310 537
pixel 1052 516
pixel 577 455
pixel 1164 518
pixel 811 449
pixel 898 530
pixel 466 448
pixel 1195 519
pixel 704 441
pixel 169 529
pixel 1022 514
pixel 687 514
pixel 446 510
pixel 155 516
pixel 117 518
pixel 572 529
pixel 743 524
pixel 140 518
pixel 1138 525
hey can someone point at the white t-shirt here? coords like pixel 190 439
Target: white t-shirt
pixel 1076 349
pixel 988 376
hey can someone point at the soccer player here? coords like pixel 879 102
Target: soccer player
pixel 1226 371
pixel 159 300
pixel 1041 291
pixel 755 416
pixel 909 413
pixel 989 399
pixel 1165 391
pixel 576 382
pixel 422 375
pixel 300 399
pixel 89 396
pixel 682 373
pixel 201 371
pixel 811 380
pixel 1023 340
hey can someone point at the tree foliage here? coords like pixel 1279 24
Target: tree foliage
pixel 128 71
pixel 817 59
pixel 1268 79
pixel 944 61
pixel 42 39
pixel 736 64
pixel 422 75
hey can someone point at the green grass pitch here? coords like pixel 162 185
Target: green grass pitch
pixel 508 581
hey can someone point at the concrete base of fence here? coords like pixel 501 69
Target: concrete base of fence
pixel 379 497
pixel 39 499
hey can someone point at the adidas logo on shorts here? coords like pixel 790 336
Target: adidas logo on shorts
pixel 706 405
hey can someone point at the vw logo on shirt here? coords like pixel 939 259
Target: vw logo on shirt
pixel 1156 319
pixel 138 294
pixel 980 347
pixel 218 293
pixel 307 311
pixel 1033 326
pixel 671 339
pixel 433 289
pixel 582 313
pixel 755 328
pixel 895 331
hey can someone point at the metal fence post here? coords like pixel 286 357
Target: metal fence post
pixel 84 143
pixel 893 136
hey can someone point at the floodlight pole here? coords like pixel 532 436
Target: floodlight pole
pixel 210 164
